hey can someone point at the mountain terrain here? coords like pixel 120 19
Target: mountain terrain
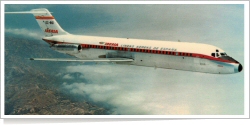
pixel 32 87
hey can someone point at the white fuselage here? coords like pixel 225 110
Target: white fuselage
pixel 151 53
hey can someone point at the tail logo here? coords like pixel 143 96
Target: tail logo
pixel 50 30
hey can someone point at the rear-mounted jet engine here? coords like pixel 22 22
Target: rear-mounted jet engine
pixel 67 48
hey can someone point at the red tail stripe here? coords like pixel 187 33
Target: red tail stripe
pixel 44 17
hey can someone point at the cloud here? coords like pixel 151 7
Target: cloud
pixel 67 76
pixel 134 90
pixel 25 33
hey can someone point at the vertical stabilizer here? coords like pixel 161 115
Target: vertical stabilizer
pixel 47 22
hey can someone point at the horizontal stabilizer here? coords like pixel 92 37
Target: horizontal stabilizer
pixel 84 60
pixel 25 12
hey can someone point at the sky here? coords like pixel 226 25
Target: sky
pixel 136 90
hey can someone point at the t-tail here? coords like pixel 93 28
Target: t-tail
pixel 46 21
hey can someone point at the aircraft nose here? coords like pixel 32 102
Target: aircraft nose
pixel 240 68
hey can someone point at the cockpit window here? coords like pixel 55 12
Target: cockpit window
pixel 223 54
pixel 217 54
pixel 213 54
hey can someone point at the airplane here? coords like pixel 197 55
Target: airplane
pixel 187 56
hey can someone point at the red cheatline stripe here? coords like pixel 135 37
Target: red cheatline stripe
pixel 44 17
pixel 153 51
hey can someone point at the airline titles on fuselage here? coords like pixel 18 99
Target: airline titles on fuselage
pixel 149 47
pixel 111 44
pixel 168 49
pixel 138 47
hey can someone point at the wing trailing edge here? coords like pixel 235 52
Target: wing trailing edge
pixel 84 60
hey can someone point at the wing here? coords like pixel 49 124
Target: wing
pixel 84 60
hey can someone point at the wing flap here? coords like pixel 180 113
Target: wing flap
pixel 84 60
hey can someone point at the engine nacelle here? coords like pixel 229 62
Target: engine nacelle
pixel 67 48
